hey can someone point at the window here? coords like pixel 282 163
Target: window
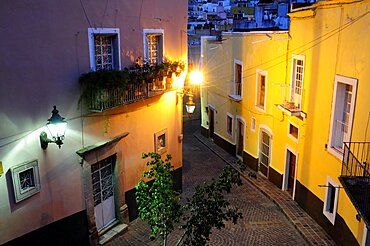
pixel 153 46
pixel 253 124
pixel 26 180
pixel 293 131
pixel 331 199
pixel 161 141
pixel 229 124
pixel 237 85
pixel 297 80
pixel 261 89
pixel 104 48
pixel 342 113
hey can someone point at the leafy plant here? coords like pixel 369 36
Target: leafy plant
pixel 159 202
pixel 252 175
pixel 208 208
pixel 94 83
pixel 205 210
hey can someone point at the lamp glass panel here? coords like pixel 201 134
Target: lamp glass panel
pixel 57 130
pixel 190 108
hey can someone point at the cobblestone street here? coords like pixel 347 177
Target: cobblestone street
pixel 263 221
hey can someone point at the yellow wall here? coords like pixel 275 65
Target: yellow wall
pixel 141 120
pixel 338 44
pixel 334 40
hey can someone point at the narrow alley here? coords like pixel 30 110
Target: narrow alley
pixel 263 222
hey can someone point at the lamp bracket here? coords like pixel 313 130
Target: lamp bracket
pixel 44 140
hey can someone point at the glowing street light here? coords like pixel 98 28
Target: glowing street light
pixel 195 78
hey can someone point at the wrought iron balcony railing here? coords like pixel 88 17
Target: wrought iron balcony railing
pixel 235 91
pixel 355 177
pixel 356 158
pixel 105 89
pixel 112 97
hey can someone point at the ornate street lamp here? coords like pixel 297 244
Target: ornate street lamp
pixel 195 79
pixel 57 127
pixel 190 105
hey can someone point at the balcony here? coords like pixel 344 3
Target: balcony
pixel 106 89
pixel 113 97
pixel 235 89
pixel 291 109
pixel 355 177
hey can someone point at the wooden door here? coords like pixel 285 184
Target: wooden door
pixel 211 122
pixel 291 161
pixel 240 139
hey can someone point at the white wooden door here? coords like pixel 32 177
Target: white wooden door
pixel 102 180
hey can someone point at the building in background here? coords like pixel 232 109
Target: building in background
pixel 293 105
pixel 76 193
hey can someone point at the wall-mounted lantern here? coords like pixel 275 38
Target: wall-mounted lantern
pixel 57 127
pixel 190 105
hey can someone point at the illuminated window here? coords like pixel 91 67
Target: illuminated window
pixel 103 52
pixel 104 48
pixel 238 80
pixel 261 89
pixel 153 46
pixel 26 180
pixel 161 141
pixel 236 88
pixel 342 113
pixel 229 124
pixel 331 199
pixel 297 80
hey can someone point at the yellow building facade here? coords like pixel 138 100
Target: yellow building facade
pixel 286 102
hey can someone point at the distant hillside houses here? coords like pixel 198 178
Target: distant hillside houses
pixel 235 15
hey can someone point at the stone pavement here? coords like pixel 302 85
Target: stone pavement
pixel 263 222
pixel 308 227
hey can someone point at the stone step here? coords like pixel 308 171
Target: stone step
pixel 116 230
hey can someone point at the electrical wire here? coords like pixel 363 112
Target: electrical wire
pixel 105 11
pixel 327 36
pixel 299 49
pixel 86 16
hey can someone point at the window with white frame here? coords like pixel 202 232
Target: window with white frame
pixel 153 46
pixel 293 131
pixel 342 112
pixel 26 180
pixel 104 48
pixel 229 124
pixel 236 88
pixel 331 199
pixel 261 89
pixel 297 79
pixel 253 124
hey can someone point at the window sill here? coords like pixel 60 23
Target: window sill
pixel 293 138
pixel 236 98
pixel 260 108
pixel 335 152
pixel 292 110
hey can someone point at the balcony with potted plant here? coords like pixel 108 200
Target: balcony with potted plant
pixel 106 89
